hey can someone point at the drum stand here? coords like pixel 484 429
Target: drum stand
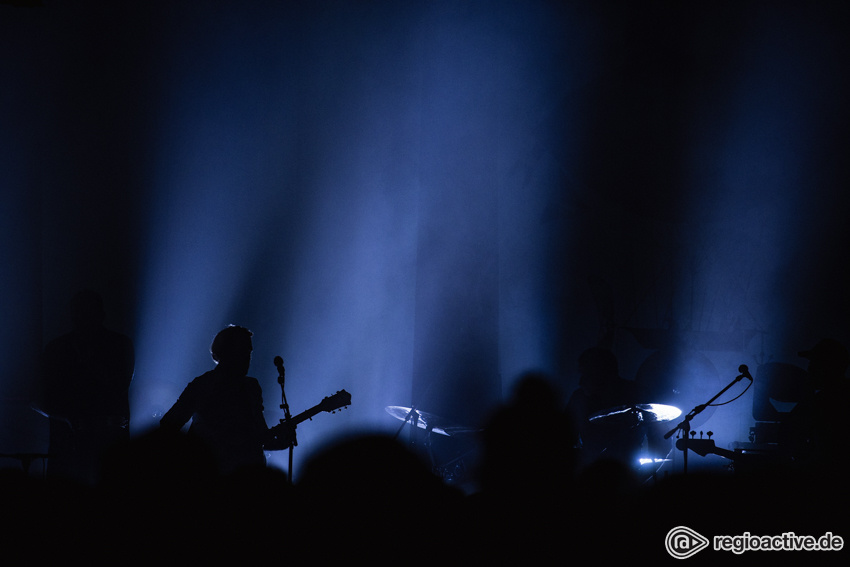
pixel 26 460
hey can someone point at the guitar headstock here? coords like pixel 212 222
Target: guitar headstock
pixel 340 400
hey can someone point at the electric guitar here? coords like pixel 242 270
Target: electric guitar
pixel 741 458
pixel 285 431
pixel 703 447
pixel 340 400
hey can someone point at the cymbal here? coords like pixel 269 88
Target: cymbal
pixel 428 421
pixel 638 413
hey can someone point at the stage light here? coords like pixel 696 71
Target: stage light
pixel 294 196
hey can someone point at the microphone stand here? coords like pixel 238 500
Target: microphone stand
pixel 685 425
pixel 281 379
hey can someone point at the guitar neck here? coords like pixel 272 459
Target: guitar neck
pixel 305 415
pixel 725 453
pixel 704 447
pixel 329 404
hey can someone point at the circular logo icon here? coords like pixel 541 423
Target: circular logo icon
pixel 682 542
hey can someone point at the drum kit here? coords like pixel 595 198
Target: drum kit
pixel 627 419
pixel 633 434
pixel 629 434
pixel 453 465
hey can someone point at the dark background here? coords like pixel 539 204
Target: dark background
pixel 420 201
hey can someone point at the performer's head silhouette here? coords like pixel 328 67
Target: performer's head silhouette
pixel 231 350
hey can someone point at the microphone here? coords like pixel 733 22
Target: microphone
pixel 745 372
pixel 278 362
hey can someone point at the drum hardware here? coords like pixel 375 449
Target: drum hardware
pixel 428 421
pixel 637 414
pixel 26 459
pixel 451 471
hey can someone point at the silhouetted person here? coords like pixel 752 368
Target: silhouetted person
pixel 86 381
pixel 818 421
pixel 602 389
pixel 370 493
pixel 526 473
pixel 226 406
pixel 527 445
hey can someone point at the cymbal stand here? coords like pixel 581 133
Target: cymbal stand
pixel 685 425
pixel 413 417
